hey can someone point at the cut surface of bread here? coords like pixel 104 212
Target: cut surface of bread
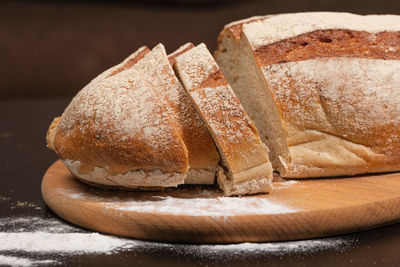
pixel 116 132
pixel 323 89
pixel 247 169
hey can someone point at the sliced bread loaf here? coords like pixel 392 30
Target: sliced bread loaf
pixel 246 168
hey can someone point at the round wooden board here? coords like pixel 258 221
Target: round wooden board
pixel 294 210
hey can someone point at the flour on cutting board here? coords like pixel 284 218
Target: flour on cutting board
pixel 206 203
pixel 220 206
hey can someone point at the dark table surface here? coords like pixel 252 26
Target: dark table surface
pixel 24 158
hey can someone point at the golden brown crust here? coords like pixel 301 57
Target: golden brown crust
pixel 94 149
pixel 118 124
pixel 358 113
pixel 51 133
pixel 331 43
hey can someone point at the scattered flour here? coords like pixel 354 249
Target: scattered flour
pixel 282 247
pixel 221 206
pixel 17 261
pixel 285 184
pixel 34 240
pixel 2 198
pixel 50 240
pixel 43 236
pixel 77 243
pixel 205 204
pixel 23 204
pixel 270 29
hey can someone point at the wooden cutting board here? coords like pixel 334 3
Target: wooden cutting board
pixel 294 210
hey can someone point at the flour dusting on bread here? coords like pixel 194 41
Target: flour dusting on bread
pixel 279 27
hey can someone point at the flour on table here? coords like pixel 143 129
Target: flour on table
pixel 23 204
pixel 18 261
pixel 3 198
pixel 47 240
pixel 77 243
pixel 302 246
pixel 44 236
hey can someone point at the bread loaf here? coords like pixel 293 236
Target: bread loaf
pixel 244 156
pixel 322 88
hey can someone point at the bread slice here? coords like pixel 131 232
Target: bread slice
pixel 117 132
pixel 322 88
pixel 202 153
pixel 247 169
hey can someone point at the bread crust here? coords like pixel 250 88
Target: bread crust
pixel 117 123
pixel 269 29
pixel 331 43
pixel 338 126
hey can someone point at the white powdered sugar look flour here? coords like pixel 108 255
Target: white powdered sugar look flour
pixel 206 203
pixel 76 243
pixel 43 236
pixel 196 66
pixel 49 241
pixel 35 234
pixel 270 29
pixel 34 241
pixel 18 261
pixel 216 207
pixel 40 237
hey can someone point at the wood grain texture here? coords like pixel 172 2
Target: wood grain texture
pixel 314 208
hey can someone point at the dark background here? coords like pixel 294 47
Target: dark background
pixel 54 48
